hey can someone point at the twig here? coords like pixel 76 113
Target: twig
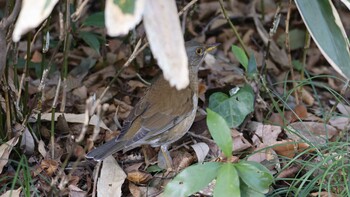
pixel 287 43
pixel 233 28
pixel 187 6
pixel 67 41
pixel 77 14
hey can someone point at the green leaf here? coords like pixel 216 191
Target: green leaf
pixel 91 40
pixel 297 65
pixel 227 181
pixel 220 132
pixel 240 55
pixel 324 24
pixel 252 67
pixel 96 19
pixel 192 179
pixel 255 178
pixel 233 109
pixel 249 192
pixel 296 39
pixel 127 6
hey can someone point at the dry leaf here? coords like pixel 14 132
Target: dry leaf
pixel 12 193
pixel 285 148
pixel 50 166
pixel 111 179
pixel 181 159
pixel 344 109
pixel 202 150
pixel 139 177
pixel 239 142
pixel 75 191
pixel 27 142
pixel 341 123
pixel 137 191
pixel 5 150
pixel 263 154
pixel 314 132
pixel 41 148
pixel 267 133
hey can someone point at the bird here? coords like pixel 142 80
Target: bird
pixel 163 115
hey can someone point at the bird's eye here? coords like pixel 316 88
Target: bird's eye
pixel 199 51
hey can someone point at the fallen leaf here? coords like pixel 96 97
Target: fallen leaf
pixel 75 191
pixel 137 191
pixel 41 148
pixel 315 132
pixel 5 150
pixel 341 123
pixel 139 177
pixel 50 166
pixel 202 150
pixel 111 179
pixel 27 142
pixel 12 193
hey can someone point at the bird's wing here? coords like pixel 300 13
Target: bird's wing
pixel 156 115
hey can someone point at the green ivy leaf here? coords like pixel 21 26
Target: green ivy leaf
pixel 227 181
pixel 233 109
pixel 96 19
pixel 127 6
pixel 239 53
pixel 256 178
pixel 192 179
pixel 91 40
pixel 220 132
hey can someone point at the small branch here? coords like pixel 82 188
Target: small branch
pixel 287 43
pixel 233 28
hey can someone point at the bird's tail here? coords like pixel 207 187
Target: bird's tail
pixel 103 151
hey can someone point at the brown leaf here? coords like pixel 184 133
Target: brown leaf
pixel 315 132
pixel 285 148
pixel 50 166
pixel 139 177
pixel 182 159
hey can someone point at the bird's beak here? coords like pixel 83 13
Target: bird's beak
pixel 211 47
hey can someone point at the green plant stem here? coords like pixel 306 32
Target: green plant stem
pixel 233 28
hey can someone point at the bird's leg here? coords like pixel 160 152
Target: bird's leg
pixel 165 154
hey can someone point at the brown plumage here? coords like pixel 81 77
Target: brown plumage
pixel 163 115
